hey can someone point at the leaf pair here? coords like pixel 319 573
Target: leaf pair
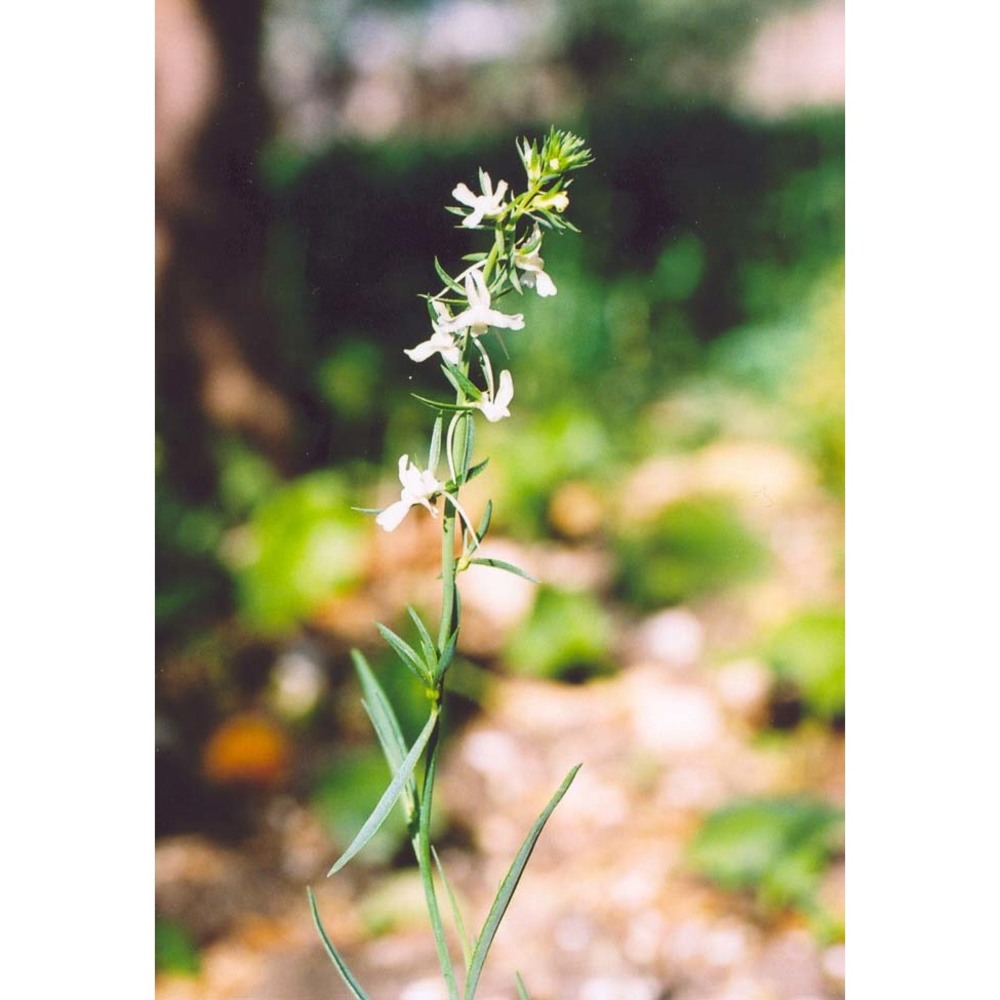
pixel 430 664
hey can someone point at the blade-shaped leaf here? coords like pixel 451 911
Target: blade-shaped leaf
pixel 522 991
pixel 447 278
pixel 436 404
pixel 389 796
pixel 447 654
pixel 463 935
pixel 386 726
pixel 345 973
pixel 484 524
pixel 507 887
pixel 426 642
pixel 460 381
pixel 508 567
pixel 475 470
pixel 470 437
pixel 435 449
pixel 406 653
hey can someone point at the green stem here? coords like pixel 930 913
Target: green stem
pixel 422 850
pixel 448 623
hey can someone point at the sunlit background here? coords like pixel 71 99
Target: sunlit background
pixel 673 472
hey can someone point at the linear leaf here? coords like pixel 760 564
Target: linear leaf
pixel 435 449
pixel 381 707
pixel 426 642
pixel 507 887
pixel 435 404
pixel 509 567
pixel 456 913
pixel 522 991
pixel 345 973
pixel 447 655
pixel 406 653
pixel 470 437
pixel 389 796
pixel 447 278
pixel 484 524
pixel 460 380
pixel 476 469
pixel 386 726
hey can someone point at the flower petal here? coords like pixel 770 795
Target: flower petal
pixel 393 515
pixel 464 195
pixel 422 351
pixel 545 285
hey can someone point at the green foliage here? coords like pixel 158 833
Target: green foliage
pixel 778 849
pixel 345 795
pixel 568 634
pixel 304 544
pixel 175 949
pixel 564 442
pixel 348 378
pixel 808 652
pixel 693 547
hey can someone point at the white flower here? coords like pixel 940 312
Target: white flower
pixel 559 201
pixel 487 204
pixel 442 341
pixel 496 405
pixel 535 277
pixel 418 487
pixel 479 317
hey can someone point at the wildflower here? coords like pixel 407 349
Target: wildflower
pixel 479 317
pixel 495 406
pixel 418 488
pixel 532 264
pixel 488 204
pixel 442 341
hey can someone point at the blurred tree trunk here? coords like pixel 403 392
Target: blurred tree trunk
pixel 215 336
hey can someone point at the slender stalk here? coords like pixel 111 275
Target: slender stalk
pixel 422 850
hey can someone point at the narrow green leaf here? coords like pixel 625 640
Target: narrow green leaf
pixel 407 654
pixel 522 991
pixel 426 642
pixel 484 524
pixel 463 935
pixel 447 278
pixel 508 567
pixel 389 796
pixel 460 381
pixel 386 726
pixel 435 449
pixel 476 257
pixel 475 470
pixel 470 436
pixel 507 887
pixel 435 404
pixel 514 279
pixel 345 973
pixel 377 700
pixel 447 655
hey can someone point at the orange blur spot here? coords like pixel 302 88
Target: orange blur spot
pixel 246 749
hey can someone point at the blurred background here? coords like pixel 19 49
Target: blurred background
pixel 673 473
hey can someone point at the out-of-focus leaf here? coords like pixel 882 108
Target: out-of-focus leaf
pixel 691 548
pixel 175 949
pixel 777 848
